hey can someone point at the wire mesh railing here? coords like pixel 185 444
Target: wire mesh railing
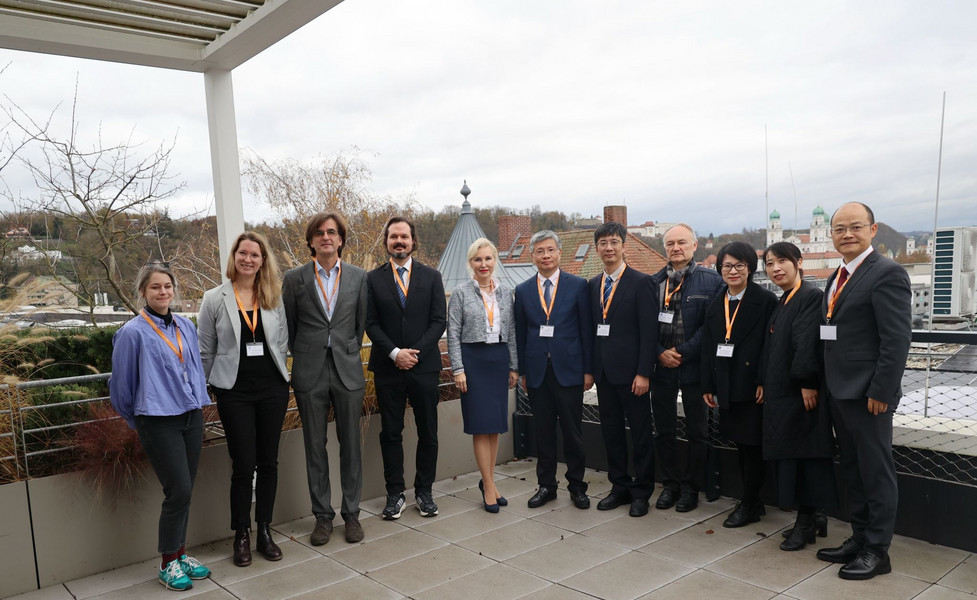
pixel 935 424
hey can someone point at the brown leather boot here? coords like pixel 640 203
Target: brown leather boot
pixel 242 548
pixel 265 545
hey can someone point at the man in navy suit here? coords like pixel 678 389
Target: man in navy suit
pixel 405 317
pixel 554 342
pixel 623 303
pixel 867 312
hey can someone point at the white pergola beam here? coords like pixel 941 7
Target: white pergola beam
pixel 224 158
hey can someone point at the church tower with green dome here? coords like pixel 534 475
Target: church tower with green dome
pixel 775 233
pixel 819 226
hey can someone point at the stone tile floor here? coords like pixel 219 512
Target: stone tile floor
pixel 554 552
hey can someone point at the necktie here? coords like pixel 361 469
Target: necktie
pixel 842 278
pixel 547 292
pixel 400 290
pixel 608 286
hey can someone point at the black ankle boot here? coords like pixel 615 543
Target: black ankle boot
pixel 802 533
pixel 820 524
pixel 265 545
pixel 242 548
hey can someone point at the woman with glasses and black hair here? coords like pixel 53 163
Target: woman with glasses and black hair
pixel 732 344
pixel 796 421
pixel 243 343
pixel 158 387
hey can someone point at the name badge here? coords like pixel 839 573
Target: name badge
pixel 665 317
pixel 829 332
pixel 254 349
pixel 546 330
pixel 724 350
pixel 492 338
pixel 603 329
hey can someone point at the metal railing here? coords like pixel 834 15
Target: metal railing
pixel 35 441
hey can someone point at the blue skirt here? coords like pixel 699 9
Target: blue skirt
pixel 485 406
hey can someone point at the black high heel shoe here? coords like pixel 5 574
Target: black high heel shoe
pixel 492 508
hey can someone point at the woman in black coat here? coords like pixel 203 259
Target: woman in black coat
pixel 732 345
pixel 796 421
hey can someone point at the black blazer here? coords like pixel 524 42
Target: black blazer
pixel 874 319
pixel 633 317
pixel 736 379
pixel 792 360
pixel 419 324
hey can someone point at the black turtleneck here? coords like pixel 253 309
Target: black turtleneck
pixel 167 318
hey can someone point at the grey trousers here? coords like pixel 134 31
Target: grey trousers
pixel 313 408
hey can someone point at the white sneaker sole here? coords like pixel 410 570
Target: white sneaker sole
pixel 394 516
pixel 175 589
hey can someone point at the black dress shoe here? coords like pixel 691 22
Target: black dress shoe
pixel 667 499
pixel 242 548
pixel 744 514
pixel 639 507
pixel 687 500
pixel 265 545
pixel 541 497
pixel 844 553
pixel 866 566
pixel 580 499
pixel 613 500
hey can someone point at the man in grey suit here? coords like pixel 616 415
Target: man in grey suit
pixel 867 310
pixel 325 303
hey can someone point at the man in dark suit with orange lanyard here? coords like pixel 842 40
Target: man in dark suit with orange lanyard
pixel 555 348
pixel 405 318
pixel 867 331
pixel 621 300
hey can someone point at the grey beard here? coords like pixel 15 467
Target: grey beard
pixel 399 255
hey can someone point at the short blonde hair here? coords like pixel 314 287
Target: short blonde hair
pixel 473 251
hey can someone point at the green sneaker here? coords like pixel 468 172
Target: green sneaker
pixel 193 568
pixel 174 578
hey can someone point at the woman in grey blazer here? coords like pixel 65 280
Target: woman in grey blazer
pixel 482 335
pixel 243 341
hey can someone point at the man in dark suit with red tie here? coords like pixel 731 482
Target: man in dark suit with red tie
pixel 555 345
pixel 623 305
pixel 405 318
pixel 867 330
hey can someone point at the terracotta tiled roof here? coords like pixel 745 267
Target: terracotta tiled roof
pixel 639 255
pixel 819 273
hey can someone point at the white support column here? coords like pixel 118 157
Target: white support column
pixel 224 158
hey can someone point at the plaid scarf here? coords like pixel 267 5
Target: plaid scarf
pixel 670 335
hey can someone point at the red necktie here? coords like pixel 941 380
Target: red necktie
pixel 842 278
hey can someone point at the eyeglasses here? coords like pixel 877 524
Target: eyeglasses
pixel 737 267
pixel 854 228
pixel 545 251
pixel 252 255
pixel 613 242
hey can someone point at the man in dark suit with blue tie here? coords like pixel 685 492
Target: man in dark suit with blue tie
pixel 623 305
pixel 867 311
pixel 405 318
pixel 554 341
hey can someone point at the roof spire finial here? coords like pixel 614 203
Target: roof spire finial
pixel 464 189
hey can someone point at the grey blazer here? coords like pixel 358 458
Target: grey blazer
pixel 467 322
pixel 309 329
pixel 219 330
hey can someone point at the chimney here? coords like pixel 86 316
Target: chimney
pixel 511 226
pixel 618 214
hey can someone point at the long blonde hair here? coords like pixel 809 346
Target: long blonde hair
pixel 267 281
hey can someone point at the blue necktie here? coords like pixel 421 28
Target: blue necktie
pixel 400 290
pixel 547 292
pixel 608 286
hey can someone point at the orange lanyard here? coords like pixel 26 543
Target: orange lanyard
pixel 668 296
pixel 789 296
pixel 179 340
pixel 546 309
pixel 489 313
pixel 400 283
pixel 335 287
pixel 252 322
pixel 603 281
pixel 729 322
pixel 834 297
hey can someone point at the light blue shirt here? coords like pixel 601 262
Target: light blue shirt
pixel 329 280
pixel 147 377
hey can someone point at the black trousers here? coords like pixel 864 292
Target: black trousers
pixel 173 446
pixel 753 471
pixel 253 426
pixel 664 405
pixel 617 403
pixel 552 403
pixel 865 446
pixel 393 392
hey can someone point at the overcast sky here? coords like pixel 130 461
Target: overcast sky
pixel 573 105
